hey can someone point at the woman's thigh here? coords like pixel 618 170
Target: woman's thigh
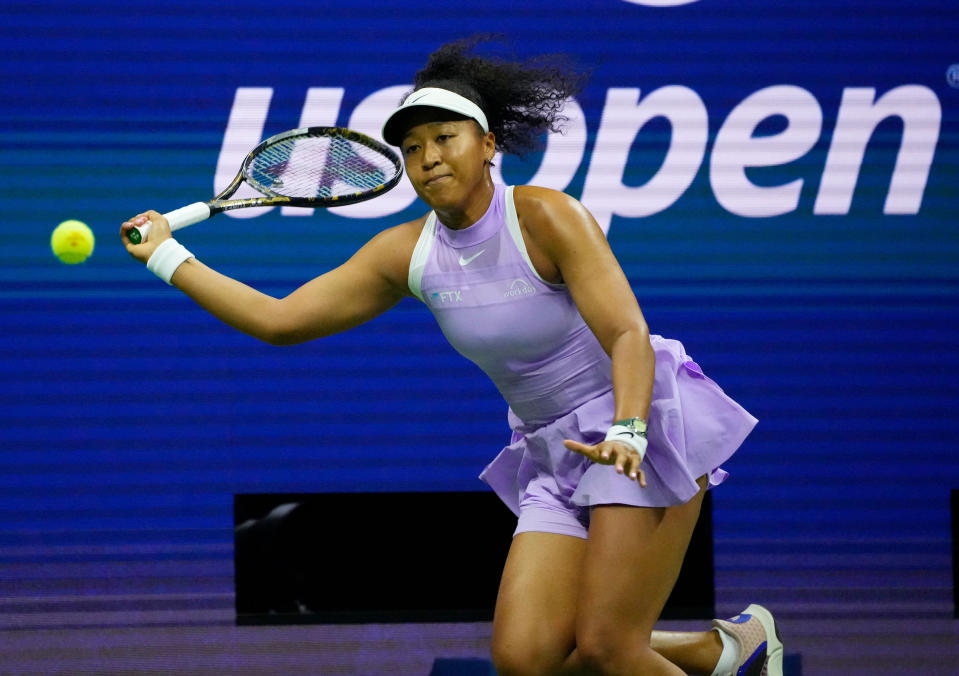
pixel 630 567
pixel 566 603
pixel 534 627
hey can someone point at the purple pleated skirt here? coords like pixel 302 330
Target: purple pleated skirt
pixel 694 427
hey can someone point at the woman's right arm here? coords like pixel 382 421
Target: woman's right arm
pixel 368 284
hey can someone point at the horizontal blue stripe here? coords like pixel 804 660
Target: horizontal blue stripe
pixel 129 419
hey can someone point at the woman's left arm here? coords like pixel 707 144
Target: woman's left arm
pixel 566 240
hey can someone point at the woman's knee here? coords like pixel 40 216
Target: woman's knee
pixel 530 657
pixel 603 648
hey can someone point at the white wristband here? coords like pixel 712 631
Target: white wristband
pixel 166 258
pixel 625 435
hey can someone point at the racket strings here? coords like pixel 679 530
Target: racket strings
pixel 320 167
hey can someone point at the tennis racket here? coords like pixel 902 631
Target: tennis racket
pixel 310 167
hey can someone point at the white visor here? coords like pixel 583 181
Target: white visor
pixel 431 97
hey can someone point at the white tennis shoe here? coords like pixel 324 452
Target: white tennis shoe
pixel 760 645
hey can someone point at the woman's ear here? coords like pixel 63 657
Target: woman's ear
pixel 489 142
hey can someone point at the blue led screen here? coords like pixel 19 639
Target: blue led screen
pixel 778 180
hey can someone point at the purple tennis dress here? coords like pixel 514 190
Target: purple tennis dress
pixel 527 335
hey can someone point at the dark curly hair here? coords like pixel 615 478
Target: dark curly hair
pixel 521 99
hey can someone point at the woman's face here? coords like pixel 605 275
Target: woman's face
pixel 447 161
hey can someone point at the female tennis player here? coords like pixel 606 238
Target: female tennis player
pixel 616 433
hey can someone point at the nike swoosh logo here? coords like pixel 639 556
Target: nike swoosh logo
pixel 466 261
pixel 412 100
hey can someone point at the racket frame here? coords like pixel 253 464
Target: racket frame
pixel 271 198
pixel 194 213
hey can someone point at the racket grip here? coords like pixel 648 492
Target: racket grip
pixel 178 218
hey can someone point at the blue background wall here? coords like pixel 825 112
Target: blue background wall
pixel 129 419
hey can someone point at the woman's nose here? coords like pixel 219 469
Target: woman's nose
pixel 431 156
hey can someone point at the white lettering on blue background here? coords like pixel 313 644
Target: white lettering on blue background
pixel 735 149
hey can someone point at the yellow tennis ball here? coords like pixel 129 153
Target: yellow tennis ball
pixel 72 242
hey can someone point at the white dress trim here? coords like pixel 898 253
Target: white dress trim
pixel 512 222
pixel 421 252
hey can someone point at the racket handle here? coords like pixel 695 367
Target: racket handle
pixel 178 218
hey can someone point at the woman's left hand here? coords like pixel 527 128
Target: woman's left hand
pixel 625 458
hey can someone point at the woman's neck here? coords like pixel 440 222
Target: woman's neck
pixel 465 215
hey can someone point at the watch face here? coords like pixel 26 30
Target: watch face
pixel 637 425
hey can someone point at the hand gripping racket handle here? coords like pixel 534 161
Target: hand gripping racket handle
pixel 178 218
